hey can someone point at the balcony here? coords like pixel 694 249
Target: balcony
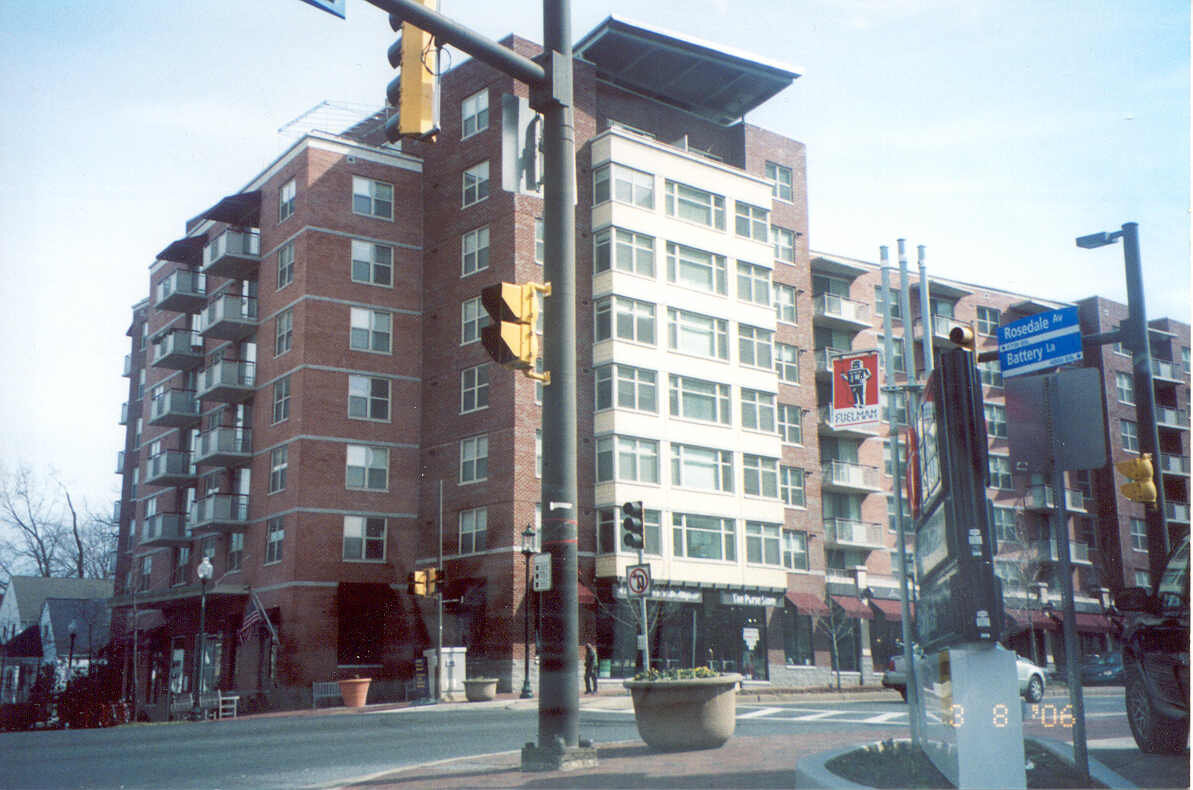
pixel 235 254
pixel 170 468
pixel 228 381
pixel 184 291
pixel 826 426
pixel 120 462
pixel 224 447
pixel 1078 552
pixel 1164 370
pixel 1177 512
pixel 1171 464
pixel 220 513
pixel 230 317
pixel 1167 417
pixel 836 310
pixel 179 349
pixel 116 510
pixel 174 408
pixel 824 359
pixel 1040 497
pixel 846 533
pixel 844 476
pixel 124 414
pixel 128 366
pixel 165 529
pixel 943 324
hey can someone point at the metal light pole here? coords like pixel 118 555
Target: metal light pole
pixel 204 572
pixel 73 630
pixel 528 537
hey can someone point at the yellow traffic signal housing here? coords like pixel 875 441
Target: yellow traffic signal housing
pixel 417 583
pixel 433 580
pixel 513 312
pixel 1142 477
pixel 413 90
pixel 962 336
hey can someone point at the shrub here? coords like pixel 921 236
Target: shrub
pixel 677 674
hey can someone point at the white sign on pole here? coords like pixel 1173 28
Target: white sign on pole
pixel 542 572
pixel 638 580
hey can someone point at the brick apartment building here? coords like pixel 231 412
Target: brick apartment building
pixel 310 405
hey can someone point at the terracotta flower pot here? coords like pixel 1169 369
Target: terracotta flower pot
pixel 697 713
pixel 480 689
pixel 355 691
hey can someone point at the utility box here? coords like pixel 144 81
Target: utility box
pixel 455 669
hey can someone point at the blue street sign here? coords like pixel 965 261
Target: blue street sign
pixel 1044 340
pixel 330 6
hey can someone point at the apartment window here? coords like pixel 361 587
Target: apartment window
pixel 1129 431
pixel 996 420
pixel 628 459
pixel 364 538
pixel 627 319
pixel 753 284
pixel 1139 535
pixel 367 467
pixel 540 242
pixel 368 398
pixel 895 305
pixel 474 524
pixel 888 462
pixel 1143 579
pixel 474 114
pixel 784 303
pixel 787 363
pixel 372 198
pixel 474 251
pixel 760 476
pixel 791 486
pixel 990 373
pixel 609 531
pixel 146 572
pixel 182 561
pixel 754 346
pixel 762 543
pixel 895 403
pixel 283 334
pixel 701 467
pixel 897 356
pixel 278 461
pixel 1125 386
pixel 758 410
pixel 696 399
pixel 695 205
pixel 703 537
pixel 623 184
pixel 476 183
pixel 988 319
pixel 538 452
pixel 623 250
pixel 699 335
pixel 281 399
pixel 372 264
pixel 370 330
pixel 141 384
pixel 235 554
pixel 795 550
pixel 474 459
pixel 791 423
pixel 286 200
pixel 285 265
pixel 1005 528
pixel 782 182
pixel 474 389
pixel 275 536
pixel 693 268
pixel 783 240
pixel 751 221
pixel 627 387
pixel 1185 359
pixel 207 547
pixel 473 318
pixel 1000 472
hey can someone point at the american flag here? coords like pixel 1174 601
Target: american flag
pixel 253 619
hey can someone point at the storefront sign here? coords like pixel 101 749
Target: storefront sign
pixel 750 636
pixel 660 593
pixel 749 599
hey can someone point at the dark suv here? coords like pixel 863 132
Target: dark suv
pixel 1156 657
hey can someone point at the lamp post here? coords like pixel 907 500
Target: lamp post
pixel 73 630
pixel 528 547
pixel 204 572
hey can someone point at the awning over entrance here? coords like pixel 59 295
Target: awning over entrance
pixel 854 607
pixel 891 610
pixel 149 619
pixel 1093 622
pixel 1045 622
pixel 807 603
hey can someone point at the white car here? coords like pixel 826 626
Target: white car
pixel 1031 677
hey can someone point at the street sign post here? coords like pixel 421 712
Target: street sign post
pixel 638 580
pixel 1044 340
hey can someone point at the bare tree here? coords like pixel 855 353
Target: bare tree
pixel 1019 565
pixel 837 625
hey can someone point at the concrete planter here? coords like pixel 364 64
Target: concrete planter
pixel 355 691
pixel 675 715
pixel 480 689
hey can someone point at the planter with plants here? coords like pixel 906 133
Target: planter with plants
pixel 684 708
pixel 480 689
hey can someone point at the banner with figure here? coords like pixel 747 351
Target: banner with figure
pixel 855 389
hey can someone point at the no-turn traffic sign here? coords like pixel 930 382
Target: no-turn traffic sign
pixel 638 580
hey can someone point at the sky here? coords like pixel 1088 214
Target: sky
pixel 993 132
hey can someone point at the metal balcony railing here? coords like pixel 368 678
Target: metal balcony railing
pixel 179 349
pixel 1173 464
pixel 841 308
pixel 1172 418
pixel 230 317
pixel 224 446
pixel 228 380
pixel 235 254
pixel 183 291
pixel 174 407
pixel 858 534
pixel 843 474
pixel 220 511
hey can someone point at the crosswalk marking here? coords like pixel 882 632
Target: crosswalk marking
pixel 756 714
pixel 883 718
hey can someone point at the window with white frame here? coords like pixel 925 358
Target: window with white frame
pixel 695 205
pixel 474 388
pixel 368 398
pixel 286 195
pixel 897 354
pixel 370 330
pixel 624 250
pixel 367 467
pixel 1129 432
pixel 474 251
pixel 285 265
pixel 372 264
pixel 1143 579
pixel 888 462
pixel 474 114
pixel 474 459
pixel 988 319
pixel 235 554
pixel 795 550
pixel 540 242
pixel 757 410
pixel 697 399
pixel 701 467
pixel 625 319
pixel 1125 387
pixel 275 536
pixel 283 332
pixel 364 538
pixel 372 198
pixel 782 181
pixel 696 334
pixel 996 420
pixel 476 184
pixel 609 531
pixel 751 222
pixel 762 543
pixel 787 363
pixel 790 423
pixel 990 373
pixel 1139 534
pixel 703 537
pixel 623 184
pixel 897 401
pixel 474 525
pixel 895 305
pixel 628 459
pixel 281 399
pixel 754 346
pixel 473 318
pixel 693 268
pixel 626 387
pixel 1000 472
pixel 278 462
pixel 538 452
pixel 783 240
pixel 784 296
pixel 791 486
pixel 753 283
pixel 760 476
pixel 1005 528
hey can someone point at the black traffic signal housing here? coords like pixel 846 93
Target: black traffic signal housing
pixel 1141 477
pixel 416 583
pixel 412 92
pixel 632 522
pixel 963 336
pixel 513 312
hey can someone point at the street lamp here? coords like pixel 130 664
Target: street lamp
pixel 73 630
pixel 204 572
pixel 528 550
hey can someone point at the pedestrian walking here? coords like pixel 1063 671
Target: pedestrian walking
pixel 590 668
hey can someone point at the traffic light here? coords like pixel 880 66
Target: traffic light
pixel 417 583
pixel 413 90
pixel 962 336
pixel 631 522
pixel 1142 485
pixel 513 312
pixel 434 579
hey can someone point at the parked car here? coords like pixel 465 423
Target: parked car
pixel 1030 676
pixel 1156 657
pixel 1102 669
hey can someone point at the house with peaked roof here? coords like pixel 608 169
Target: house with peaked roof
pixel 23 601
